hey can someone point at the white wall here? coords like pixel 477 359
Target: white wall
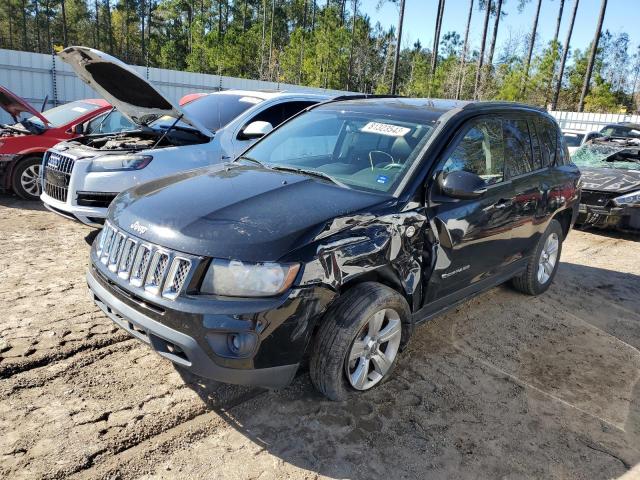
pixel 591 121
pixel 33 76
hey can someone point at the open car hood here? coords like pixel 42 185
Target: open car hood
pixel 14 105
pixel 123 87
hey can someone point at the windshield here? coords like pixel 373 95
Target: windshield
pixel 621 131
pixel 65 114
pixel 356 149
pixel 608 155
pixel 213 111
pixel 573 139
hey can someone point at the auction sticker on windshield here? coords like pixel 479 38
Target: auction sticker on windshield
pixel 385 129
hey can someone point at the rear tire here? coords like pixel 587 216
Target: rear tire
pixel 357 346
pixel 26 178
pixel 543 264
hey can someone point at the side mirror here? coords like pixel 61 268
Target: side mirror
pixel 255 130
pixel 78 129
pixel 461 184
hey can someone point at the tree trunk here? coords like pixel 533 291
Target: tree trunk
pixel 64 24
pixel 25 41
pixel 143 46
pixel 37 25
pixel 273 15
pixel 97 26
pixel 353 38
pixel 436 39
pixel 463 57
pixel 304 31
pixel 109 25
pixel 10 25
pixel 532 42
pixel 396 60
pixel 313 16
pixel 494 35
pixel 48 25
pixel 558 21
pixel 264 31
pixel 476 87
pixel 592 56
pixel 555 47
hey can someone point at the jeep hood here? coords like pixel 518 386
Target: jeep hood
pixel 123 87
pixel 15 106
pixel 235 211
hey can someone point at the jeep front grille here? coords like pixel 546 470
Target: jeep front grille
pixel 57 174
pixel 157 270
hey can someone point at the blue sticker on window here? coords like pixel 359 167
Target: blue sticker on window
pixel 382 179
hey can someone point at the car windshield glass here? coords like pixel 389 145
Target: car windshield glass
pixel 213 111
pixel 621 131
pixel 573 139
pixel 608 155
pixel 361 150
pixel 65 114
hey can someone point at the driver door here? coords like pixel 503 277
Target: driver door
pixel 473 234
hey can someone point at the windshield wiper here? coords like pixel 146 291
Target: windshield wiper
pixel 310 173
pixel 249 159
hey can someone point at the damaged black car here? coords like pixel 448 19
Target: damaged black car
pixel 610 169
pixel 334 236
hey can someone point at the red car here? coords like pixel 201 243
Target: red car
pixel 23 143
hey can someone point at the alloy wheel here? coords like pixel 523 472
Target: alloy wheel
pixel 374 349
pixel 548 258
pixel 30 180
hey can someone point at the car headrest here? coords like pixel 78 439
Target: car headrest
pixel 400 149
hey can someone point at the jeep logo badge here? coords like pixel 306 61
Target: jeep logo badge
pixel 138 227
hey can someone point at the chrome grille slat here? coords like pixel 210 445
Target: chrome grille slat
pixel 116 251
pixel 176 277
pixel 128 254
pixel 58 166
pixel 140 265
pixel 107 244
pixel 157 270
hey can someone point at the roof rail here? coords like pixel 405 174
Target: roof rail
pixel 501 103
pixel 359 96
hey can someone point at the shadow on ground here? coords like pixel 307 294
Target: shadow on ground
pixel 13 201
pixel 506 385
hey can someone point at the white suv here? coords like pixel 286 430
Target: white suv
pixel 82 176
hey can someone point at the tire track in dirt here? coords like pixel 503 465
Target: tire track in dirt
pixel 101 402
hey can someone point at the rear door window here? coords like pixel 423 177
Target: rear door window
pixel 518 149
pixel 539 160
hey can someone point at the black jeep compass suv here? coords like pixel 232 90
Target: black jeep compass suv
pixel 336 234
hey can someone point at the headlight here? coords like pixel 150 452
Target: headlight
pixel 239 279
pixel 109 163
pixel 632 198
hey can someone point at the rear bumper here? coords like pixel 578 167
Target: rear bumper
pixel 618 218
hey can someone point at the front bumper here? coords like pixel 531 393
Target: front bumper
pixel 187 337
pixel 618 218
pixel 92 216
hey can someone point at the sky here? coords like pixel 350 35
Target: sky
pixel 621 16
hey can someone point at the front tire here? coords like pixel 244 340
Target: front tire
pixel 543 264
pixel 26 178
pixel 357 346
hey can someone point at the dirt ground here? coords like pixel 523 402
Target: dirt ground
pixel 505 386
